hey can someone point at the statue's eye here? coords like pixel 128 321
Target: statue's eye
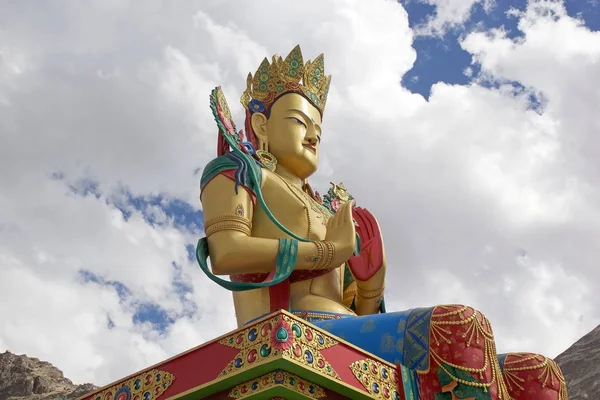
pixel 298 121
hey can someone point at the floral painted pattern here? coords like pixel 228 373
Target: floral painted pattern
pixel 227 123
pixel 256 106
pixel 335 197
pixel 281 336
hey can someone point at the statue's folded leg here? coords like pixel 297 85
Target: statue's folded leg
pixel 531 376
pixel 451 347
pixel 462 360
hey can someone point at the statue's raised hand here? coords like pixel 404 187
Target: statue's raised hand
pixel 370 258
pixel 341 233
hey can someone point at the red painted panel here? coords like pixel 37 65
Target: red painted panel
pixel 340 357
pixel 198 367
pixel 192 369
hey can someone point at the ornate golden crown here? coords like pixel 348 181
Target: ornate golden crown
pixel 291 75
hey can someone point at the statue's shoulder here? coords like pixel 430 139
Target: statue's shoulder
pixel 242 170
pixel 215 167
pixel 270 177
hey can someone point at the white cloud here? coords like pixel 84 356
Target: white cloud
pixel 449 14
pixel 464 184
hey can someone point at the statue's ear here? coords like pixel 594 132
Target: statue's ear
pixel 259 126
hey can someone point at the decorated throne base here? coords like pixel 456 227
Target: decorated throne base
pixel 280 356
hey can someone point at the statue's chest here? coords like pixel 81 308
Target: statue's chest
pixel 296 209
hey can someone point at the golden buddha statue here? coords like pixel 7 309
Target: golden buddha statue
pixel 285 247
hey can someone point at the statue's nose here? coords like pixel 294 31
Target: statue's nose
pixel 311 137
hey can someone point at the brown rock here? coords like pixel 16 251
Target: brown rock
pixel 25 378
pixel 580 364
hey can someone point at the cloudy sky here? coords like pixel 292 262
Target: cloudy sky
pixel 470 128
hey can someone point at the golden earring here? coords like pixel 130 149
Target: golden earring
pixel 263 145
pixel 267 159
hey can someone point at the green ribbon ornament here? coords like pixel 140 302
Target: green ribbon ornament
pixel 287 255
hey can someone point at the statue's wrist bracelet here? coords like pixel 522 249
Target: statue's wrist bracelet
pixel 330 254
pixel 320 255
pixel 325 255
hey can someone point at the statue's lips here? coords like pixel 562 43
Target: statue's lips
pixel 311 148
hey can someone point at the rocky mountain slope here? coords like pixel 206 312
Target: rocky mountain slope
pixel 25 378
pixel 580 364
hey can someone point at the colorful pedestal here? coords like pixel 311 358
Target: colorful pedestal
pixel 280 356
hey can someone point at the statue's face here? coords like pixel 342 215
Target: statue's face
pixel 293 132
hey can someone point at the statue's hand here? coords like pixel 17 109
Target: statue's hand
pixel 341 233
pixel 370 258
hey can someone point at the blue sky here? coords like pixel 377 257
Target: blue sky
pixel 441 59
pixel 178 213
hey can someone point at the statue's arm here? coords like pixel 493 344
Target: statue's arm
pixel 232 248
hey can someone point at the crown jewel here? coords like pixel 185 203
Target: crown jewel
pixel 291 75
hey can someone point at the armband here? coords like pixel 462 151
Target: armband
pixel 228 223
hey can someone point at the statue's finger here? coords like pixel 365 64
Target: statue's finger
pixel 348 212
pixel 330 222
pixel 374 226
pixel 362 224
pixel 369 222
